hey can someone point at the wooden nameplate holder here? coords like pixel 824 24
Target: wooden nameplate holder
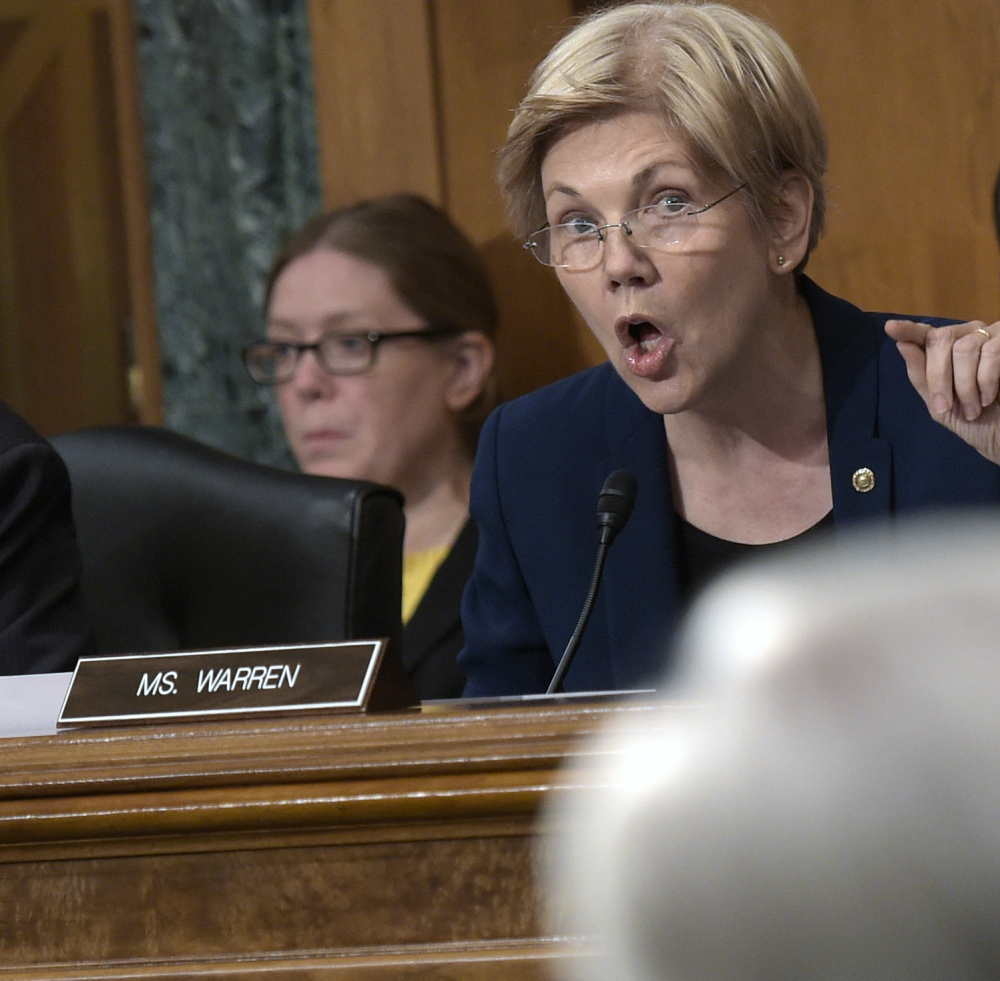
pixel 353 676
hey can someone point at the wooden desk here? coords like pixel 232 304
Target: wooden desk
pixel 391 847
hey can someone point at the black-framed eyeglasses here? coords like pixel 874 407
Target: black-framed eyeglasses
pixel 274 362
pixel 579 244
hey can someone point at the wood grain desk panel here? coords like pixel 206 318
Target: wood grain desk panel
pixel 397 846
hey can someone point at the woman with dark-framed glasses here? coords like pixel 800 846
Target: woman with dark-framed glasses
pixel 379 327
pixel 668 163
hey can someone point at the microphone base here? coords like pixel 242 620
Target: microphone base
pixel 540 698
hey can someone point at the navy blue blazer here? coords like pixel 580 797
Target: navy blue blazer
pixel 542 461
pixel 42 622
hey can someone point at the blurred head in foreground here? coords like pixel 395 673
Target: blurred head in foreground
pixel 825 801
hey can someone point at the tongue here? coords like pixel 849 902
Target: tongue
pixel 647 364
pixel 644 332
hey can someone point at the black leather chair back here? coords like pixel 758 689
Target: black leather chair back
pixel 185 547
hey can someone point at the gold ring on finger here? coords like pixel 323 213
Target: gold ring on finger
pixel 984 332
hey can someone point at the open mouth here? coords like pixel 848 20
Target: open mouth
pixel 644 334
pixel 636 329
pixel 646 346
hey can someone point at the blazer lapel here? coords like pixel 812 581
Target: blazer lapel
pixel 860 462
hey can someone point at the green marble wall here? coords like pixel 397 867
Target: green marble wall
pixel 233 166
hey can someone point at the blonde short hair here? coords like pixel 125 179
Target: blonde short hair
pixel 725 81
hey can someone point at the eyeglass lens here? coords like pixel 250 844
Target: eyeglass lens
pixel 337 355
pixel 647 227
pixel 579 244
pixel 273 362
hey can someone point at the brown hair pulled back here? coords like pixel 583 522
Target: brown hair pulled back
pixel 433 267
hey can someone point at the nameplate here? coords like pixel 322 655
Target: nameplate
pixel 133 688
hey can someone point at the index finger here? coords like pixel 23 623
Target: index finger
pixel 908 330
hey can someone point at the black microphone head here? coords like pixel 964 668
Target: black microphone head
pixel 615 504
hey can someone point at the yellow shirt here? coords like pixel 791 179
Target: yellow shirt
pixel 418 571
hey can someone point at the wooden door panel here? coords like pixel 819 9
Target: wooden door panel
pixel 74 253
pixel 485 54
pixel 375 112
pixel 42 343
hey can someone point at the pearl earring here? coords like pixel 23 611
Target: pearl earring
pixel 781 260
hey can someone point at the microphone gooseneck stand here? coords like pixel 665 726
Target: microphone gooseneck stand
pixel 614 507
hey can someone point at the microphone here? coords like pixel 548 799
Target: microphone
pixel 614 507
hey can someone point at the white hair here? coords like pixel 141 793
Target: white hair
pixel 827 805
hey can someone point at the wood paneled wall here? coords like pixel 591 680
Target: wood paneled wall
pixel 76 315
pixel 910 92
pixel 416 95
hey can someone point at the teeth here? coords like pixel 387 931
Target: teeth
pixel 650 344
